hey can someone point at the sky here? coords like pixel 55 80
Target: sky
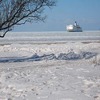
pixel 85 12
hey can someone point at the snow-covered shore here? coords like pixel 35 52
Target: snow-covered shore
pixel 50 71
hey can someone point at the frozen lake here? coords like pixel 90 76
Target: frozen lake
pixel 40 37
pixel 50 66
pixel 55 71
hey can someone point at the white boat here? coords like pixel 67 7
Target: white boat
pixel 74 28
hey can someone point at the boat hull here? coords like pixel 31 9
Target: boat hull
pixel 77 30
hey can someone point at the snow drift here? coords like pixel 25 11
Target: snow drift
pixel 62 56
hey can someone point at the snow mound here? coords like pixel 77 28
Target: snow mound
pixel 87 55
pixel 75 56
pixel 69 56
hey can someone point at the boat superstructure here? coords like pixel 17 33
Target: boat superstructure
pixel 74 28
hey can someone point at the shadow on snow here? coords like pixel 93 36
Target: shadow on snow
pixel 61 56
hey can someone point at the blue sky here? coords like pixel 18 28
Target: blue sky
pixel 85 12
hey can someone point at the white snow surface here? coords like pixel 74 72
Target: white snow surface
pixel 50 71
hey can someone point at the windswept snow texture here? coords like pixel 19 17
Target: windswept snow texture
pixel 50 71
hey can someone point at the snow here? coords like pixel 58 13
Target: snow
pixel 50 71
